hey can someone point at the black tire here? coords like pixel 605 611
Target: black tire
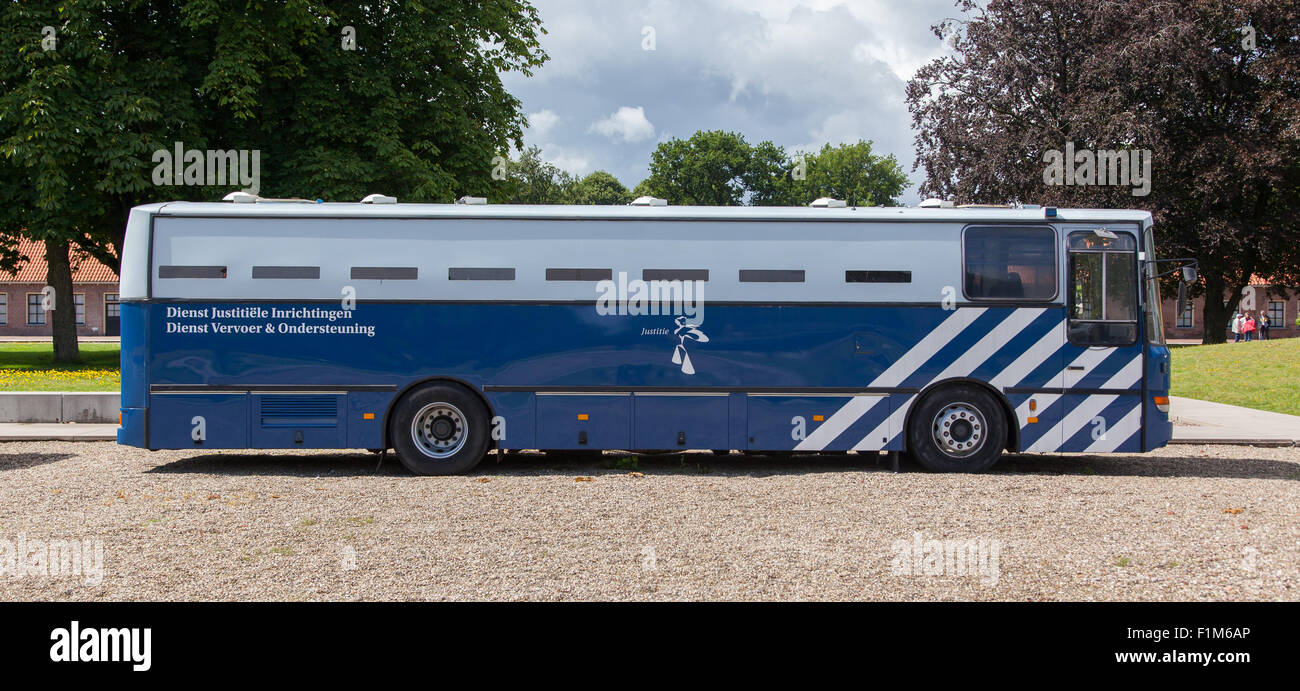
pixel 453 434
pixel 970 423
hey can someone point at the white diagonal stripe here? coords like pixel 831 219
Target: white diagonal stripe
pixel 977 354
pixel 1074 420
pixel 901 369
pixel 885 430
pixel 905 366
pixel 1120 431
pixel 1031 359
pixel 835 425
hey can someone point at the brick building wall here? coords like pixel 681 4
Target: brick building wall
pixel 14 312
pixel 1287 307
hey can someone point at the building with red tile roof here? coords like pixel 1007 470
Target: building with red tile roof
pixel 94 287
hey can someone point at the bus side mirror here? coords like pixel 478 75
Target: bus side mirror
pixel 1182 297
pixel 1189 274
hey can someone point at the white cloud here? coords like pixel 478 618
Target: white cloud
pixel 541 123
pixel 628 123
pixel 800 73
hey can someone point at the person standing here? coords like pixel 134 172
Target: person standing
pixel 1264 323
pixel 1249 327
pixel 1236 327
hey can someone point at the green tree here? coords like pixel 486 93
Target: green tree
pixel 414 107
pixel 599 187
pixel 850 172
pixel 707 170
pixel 530 180
pixel 721 169
pixel 1206 88
pixel 769 176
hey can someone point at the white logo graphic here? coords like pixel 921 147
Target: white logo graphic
pixel 686 332
pixel 75 644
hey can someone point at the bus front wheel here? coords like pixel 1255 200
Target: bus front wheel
pixel 439 429
pixel 957 429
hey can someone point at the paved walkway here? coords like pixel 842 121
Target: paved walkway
pixel 56 431
pixel 1195 422
pixel 1203 422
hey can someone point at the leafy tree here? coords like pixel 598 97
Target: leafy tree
pixel 707 169
pixel 769 176
pixel 850 172
pixel 530 180
pixel 414 107
pixel 1207 87
pixel 598 188
pixel 720 168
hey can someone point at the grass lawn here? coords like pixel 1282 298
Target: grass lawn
pixel 1264 375
pixel 27 367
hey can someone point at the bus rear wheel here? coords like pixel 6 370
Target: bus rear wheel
pixel 439 429
pixel 958 429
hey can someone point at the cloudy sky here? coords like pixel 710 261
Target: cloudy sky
pixel 800 73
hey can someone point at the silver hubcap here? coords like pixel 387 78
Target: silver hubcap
pixel 959 429
pixel 439 430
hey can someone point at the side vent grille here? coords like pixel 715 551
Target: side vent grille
pixel 299 411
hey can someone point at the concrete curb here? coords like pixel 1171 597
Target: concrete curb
pixel 60 406
pixel 1237 442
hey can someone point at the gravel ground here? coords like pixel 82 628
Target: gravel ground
pixel 1184 523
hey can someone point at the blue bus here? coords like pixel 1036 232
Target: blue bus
pixel 442 331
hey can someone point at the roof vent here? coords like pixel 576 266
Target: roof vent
pixel 828 203
pixel 378 199
pixel 240 198
pixel 472 201
pixel 648 201
pixel 933 203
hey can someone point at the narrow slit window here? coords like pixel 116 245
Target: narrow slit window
pixel 475 273
pixel 385 273
pixel 674 274
pixel 771 275
pixel 191 272
pixel 877 276
pixel 579 274
pixel 307 272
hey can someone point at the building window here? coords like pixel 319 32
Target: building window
pixel 1185 319
pixel 35 313
pixel 4 308
pixel 79 304
pixel 112 308
pixel 1276 314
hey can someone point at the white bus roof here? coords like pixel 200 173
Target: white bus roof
pixel 676 213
